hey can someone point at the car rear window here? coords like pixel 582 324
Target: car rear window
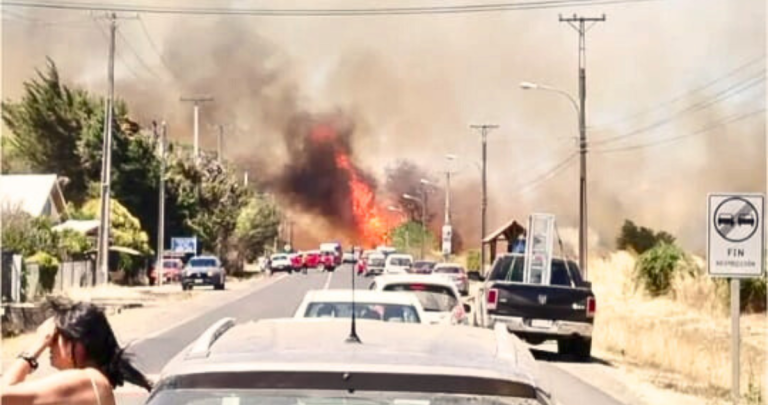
pixel 364 310
pixel 202 263
pixel 447 270
pixel 434 298
pixel 400 261
pixel 279 258
pixel 376 261
pixel 171 265
pixel 510 268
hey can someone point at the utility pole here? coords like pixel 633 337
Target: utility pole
pixel 447 219
pixel 484 129
pixel 196 101
pixel 102 258
pixel 161 208
pixel 423 220
pixel 579 24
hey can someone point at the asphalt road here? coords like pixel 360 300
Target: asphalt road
pixel 280 299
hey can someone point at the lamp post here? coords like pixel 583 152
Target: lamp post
pixel 583 169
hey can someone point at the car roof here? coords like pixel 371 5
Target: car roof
pixel 361 296
pixel 204 257
pixel 319 346
pixel 414 278
pixel 449 265
pixel 400 256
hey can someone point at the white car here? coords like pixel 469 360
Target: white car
pixel 398 264
pixel 280 262
pixel 372 305
pixel 437 294
pixel 455 272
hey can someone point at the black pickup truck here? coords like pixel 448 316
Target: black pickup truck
pixel 563 310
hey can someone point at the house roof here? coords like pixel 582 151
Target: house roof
pixel 30 192
pixel 510 231
pixel 82 226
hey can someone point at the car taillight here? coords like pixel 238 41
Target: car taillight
pixel 591 307
pixel 492 298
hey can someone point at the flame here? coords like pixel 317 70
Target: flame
pixel 368 216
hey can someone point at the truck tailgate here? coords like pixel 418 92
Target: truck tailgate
pixel 541 302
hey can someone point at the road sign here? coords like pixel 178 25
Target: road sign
pixel 184 245
pixel 538 248
pixel 447 236
pixel 735 245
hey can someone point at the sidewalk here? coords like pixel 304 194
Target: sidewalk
pixel 161 307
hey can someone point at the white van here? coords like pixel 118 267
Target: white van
pixel 398 263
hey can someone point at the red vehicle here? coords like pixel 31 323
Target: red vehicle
pixel 171 271
pixel 297 261
pixel 335 249
pixel 312 259
pixel 328 261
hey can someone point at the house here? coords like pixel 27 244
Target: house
pixel 35 194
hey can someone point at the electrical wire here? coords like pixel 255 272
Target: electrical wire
pixel 154 46
pixel 729 120
pixel 119 55
pixel 319 12
pixel 681 96
pixel 556 169
pixel 725 94
pixel 138 57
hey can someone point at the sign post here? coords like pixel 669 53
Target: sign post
pixel 447 236
pixel 735 250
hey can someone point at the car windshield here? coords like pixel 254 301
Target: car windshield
pixel 202 263
pixel 279 258
pixel 171 265
pixel 363 310
pixel 447 270
pixel 434 298
pixel 424 265
pixel 510 268
pixel 400 261
pixel 329 397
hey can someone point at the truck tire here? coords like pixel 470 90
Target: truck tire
pixel 579 348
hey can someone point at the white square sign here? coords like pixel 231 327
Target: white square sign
pixel 735 236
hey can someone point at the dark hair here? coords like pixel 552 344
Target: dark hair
pixel 85 323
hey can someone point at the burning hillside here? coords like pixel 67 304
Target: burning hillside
pixel 321 176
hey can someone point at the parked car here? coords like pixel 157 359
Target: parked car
pixel 456 273
pixel 171 271
pixel 203 270
pixel 563 310
pixel 398 263
pixel 310 361
pixel 372 305
pixel 297 261
pixel 348 257
pixel 280 262
pixel 437 295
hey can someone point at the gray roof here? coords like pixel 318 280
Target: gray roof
pixel 319 345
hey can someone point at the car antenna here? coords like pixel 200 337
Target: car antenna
pixel 353 338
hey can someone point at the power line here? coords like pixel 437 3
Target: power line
pixel 556 169
pixel 315 12
pixel 725 94
pixel 717 125
pixel 138 57
pixel 120 55
pixel 683 95
pixel 154 46
pixel 21 18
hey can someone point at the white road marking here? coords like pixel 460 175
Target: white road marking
pixel 328 280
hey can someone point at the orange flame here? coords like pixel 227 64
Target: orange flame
pixel 369 217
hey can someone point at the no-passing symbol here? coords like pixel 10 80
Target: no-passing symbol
pixel 736 219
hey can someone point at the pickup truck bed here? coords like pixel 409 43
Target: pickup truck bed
pixel 563 310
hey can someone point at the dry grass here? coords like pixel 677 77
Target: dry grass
pixel 686 333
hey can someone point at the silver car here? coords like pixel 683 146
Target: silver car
pixel 203 270
pixel 321 361
pixel 455 272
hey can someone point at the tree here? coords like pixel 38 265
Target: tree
pixel 125 229
pixel 25 235
pixel 409 236
pixel 257 225
pixel 640 239
pixel 656 267
pixel 46 126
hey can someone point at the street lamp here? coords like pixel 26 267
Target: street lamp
pixel 583 170
pixel 423 204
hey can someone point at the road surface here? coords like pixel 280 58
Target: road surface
pixel 279 299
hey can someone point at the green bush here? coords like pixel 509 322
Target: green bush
pixel 655 268
pixel 48 266
pixel 473 260
pixel 639 238
pixel 752 296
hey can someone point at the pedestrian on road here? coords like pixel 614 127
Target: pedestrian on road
pixel 84 349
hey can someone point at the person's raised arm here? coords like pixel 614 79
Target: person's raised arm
pixel 27 361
